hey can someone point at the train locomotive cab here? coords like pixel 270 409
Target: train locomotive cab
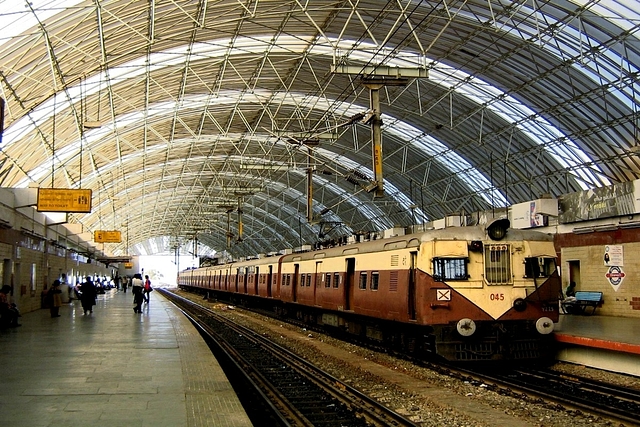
pixel 500 301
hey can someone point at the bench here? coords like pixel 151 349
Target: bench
pixel 584 300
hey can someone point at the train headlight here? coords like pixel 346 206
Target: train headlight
pixel 466 327
pixel 498 228
pixel 544 325
pixel 519 305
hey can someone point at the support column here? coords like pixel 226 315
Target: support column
pixel 376 137
pixel 309 187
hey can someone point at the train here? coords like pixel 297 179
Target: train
pixel 482 293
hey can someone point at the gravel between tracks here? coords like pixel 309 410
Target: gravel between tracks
pixel 424 396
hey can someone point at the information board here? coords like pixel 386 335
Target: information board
pixel 107 236
pixel 64 200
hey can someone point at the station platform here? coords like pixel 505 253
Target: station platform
pixel 604 342
pixel 113 367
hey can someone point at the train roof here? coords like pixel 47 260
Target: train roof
pixel 467 233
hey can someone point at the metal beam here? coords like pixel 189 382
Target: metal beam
pixel 381 71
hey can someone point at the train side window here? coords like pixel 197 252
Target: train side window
pixel 375 279
pixel 308 279
pixel 303 278
pixel 363 280
pixel 336 280
pixel 327 280
pixel 539 267
pixel 450 269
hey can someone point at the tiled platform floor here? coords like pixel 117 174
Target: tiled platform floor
pixel 112 368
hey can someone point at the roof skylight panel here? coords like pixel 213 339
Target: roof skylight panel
pixel 16 18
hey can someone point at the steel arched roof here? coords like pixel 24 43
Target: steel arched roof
pixel 177 112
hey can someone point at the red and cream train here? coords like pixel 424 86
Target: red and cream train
pixel 465 293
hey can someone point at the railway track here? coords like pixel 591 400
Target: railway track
pixel 609 401
pixel 595 397
pixel 586 394
pixel 572 392
pixel 303 394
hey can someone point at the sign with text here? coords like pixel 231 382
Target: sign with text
pixel 107 236
pixel 64 200
pixel 128 265
pixel 613 255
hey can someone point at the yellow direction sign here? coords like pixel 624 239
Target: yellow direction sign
pixel 128 265
pixel 107 236
pixel 64 200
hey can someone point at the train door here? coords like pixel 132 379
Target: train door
pixel 294 284
pixel 348 282
pixel 316 280
pixel 269 281
pixel 413 256
pixel 256 279
pixel 245 280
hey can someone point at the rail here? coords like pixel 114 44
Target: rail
pixel 304 393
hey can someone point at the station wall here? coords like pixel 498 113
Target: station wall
pixel 30 271
pixel 616 275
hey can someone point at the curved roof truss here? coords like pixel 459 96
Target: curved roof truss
pixel 167 109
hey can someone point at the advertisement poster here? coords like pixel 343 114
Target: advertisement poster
pixel 613 255
pixel 602 202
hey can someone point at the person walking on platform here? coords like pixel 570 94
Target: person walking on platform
pixel 147 288
pixel 88 296
pixel 137 286
pixel 54 298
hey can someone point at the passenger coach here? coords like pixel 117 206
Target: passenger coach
pixel 464 293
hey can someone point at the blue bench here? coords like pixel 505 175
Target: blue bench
pixel 584 300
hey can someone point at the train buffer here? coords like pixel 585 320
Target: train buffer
pixel 585 302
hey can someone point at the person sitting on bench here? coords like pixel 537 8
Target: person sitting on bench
pixel 571 290
pixel 569 298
